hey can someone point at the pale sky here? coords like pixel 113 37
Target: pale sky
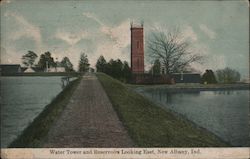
pixel 217 29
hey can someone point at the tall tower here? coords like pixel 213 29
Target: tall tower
pixel 137 49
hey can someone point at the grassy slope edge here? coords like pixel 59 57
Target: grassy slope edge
pixel 33 135
pixel 152 126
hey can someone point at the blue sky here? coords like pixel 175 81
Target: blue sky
pixel 217 29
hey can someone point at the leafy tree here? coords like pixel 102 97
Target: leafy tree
pixel 117 67
pixel 156 68
pixel 209 77
pixel 227 75
pixel 29 58
pixel 109 68
pixel 126 71
pixel 46 59
pixel 101 64
pixel 83 63
pixel 114 68
pixel 172 51
pixel 67 64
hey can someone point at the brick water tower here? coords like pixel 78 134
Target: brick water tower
pixel 137 49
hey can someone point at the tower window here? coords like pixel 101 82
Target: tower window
pixel 138 44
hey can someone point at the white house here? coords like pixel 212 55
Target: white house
pixel 56 69
pixel 60 69
pixel 29 69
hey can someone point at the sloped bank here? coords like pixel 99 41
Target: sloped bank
pixel 152 126
pixel 33 135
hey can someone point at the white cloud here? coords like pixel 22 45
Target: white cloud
pixel 115 40
pixel 93 17
pixel 70 37
pixel 211 34
pixel 188 33
pixel 9 55
pixel 213 62
pixel 210 61
pixel 25 29
pixel 120 34
pixel 109 50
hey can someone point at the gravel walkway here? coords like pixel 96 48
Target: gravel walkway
pixel 89 120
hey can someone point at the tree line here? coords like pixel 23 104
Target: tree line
pixel 47 61
pixel 115 68
pixel 226 75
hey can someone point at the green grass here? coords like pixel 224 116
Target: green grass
pixel 35 133
pixel 152 126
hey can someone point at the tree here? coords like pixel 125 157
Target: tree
pixel 29 58
pixel 67 64
pixel 83 63
pixel 227 75
pixel 209 77
pixel 46 61
pixel 101 64
pixel 114 68
pixel 126 71
pixel 156 68
pixel 172 51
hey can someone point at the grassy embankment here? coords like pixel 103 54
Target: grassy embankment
pixel 34 134
pixel 152 126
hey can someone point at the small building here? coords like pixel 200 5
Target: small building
pixel 56 69
pixel 10 69
pixel 246 80
pixel 186 77
pixel 60 69
pixel 29 70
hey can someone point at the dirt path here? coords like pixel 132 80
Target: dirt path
pixel 89 120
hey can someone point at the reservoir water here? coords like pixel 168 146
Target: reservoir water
pixel 22 99
pixel 225 113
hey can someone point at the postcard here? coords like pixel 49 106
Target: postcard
pixel 124 79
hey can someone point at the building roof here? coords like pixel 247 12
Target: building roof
pixel 29 69
pixel 10 68
pixel 36 69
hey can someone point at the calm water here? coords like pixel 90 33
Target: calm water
pixel 22 99
pixel 225 113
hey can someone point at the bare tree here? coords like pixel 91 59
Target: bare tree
pixel 227 75
pixel 172 50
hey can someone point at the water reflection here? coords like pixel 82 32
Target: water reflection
pixel 226 92
pixel 22 99
pixel 224 113
pixel 167 96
